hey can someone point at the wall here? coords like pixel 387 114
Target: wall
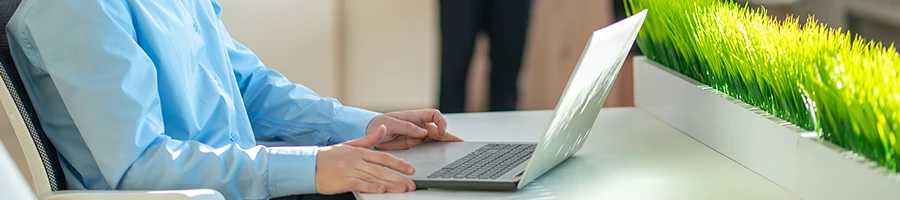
pixel 299 38
pixel 391 54
pixel 383 54
pixel 873 19
pixel 350 50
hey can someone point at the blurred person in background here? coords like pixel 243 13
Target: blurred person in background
pixel 506 23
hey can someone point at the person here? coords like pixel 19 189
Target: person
pixel 506 25
pixel 155 95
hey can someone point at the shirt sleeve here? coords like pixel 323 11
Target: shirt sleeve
pixel 108 85
pixel 292 112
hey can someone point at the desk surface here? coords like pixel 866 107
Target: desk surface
pixel 629 155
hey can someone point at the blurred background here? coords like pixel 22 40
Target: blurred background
pixel 385 55
pixel 877 20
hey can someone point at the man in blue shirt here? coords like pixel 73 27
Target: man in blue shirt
pixel 150 94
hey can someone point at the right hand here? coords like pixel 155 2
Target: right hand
pixel 353 166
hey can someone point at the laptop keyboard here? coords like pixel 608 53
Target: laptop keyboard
pixel 488 162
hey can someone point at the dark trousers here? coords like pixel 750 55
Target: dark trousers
pixel 506 24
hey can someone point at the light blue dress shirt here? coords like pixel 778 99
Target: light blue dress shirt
pixel 155 94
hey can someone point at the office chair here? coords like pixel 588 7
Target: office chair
pixel 13 186
pixel 32 151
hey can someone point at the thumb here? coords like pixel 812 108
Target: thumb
pixel 370 140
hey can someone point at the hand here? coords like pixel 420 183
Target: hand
pixel 352 166
pixel 411 128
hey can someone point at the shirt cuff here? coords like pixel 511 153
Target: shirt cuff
pixel 350 123
pixel 291 170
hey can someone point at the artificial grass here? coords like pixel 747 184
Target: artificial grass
pixel 837 84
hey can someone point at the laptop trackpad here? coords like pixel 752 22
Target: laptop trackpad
pixel 430 157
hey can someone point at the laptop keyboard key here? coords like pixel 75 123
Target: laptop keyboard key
pixel 488 162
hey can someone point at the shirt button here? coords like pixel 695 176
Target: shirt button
pixel 232 137
pixel 196 28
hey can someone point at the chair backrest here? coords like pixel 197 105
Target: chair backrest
pixel 44 174
pixel 13 185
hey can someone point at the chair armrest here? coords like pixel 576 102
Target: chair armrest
pixel 196 194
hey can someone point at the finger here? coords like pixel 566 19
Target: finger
pixel 380 172
pixel 406 128
pixel 422 117
pixel 366 187
pixel 449 137
pixel 390 161
pixel 411 142
pixel 401 143
pixel 435 135
pixel 433 132
pixel 389 186
pixel 393 181
pixel 370 140
pixel 438 119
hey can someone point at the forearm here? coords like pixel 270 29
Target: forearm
pixel 298 115
pixel 253 173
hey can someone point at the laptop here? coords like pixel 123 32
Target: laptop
pixel 511 166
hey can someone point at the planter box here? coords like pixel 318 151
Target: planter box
pixel 773 148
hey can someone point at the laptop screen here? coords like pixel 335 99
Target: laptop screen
pixel 584 95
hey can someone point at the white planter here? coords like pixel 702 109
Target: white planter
pixel 771 147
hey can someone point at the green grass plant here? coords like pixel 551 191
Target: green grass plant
pixel 836 83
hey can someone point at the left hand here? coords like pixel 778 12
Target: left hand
pixel 407 129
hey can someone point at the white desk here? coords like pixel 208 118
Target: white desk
pixel 629 155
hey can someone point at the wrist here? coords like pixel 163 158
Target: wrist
pixel 374 123
pixel 291 170
pixel 351 123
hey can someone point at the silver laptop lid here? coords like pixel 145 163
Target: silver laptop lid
pixel 584 95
